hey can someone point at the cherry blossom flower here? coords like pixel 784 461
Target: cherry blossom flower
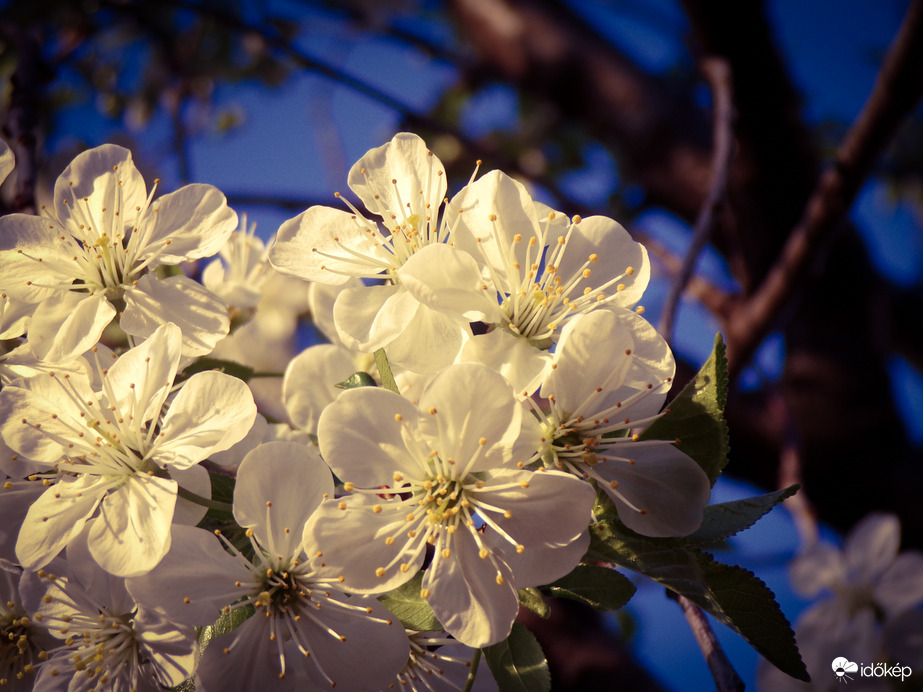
pixel 596 398
pixel 105 640
pixel 238 277
pixel 93 258
pixel 305 627
pixel 403 183
pixel 870 594
pixel 540 270
pixel 120 440
pixel 23 643
pixel 457 491
pixel 439 663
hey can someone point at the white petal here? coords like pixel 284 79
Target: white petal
pixel 471 403
pixel 32 255
pixel 15 502
pixel 196 480
pixel 106 176
pixel 170 651
pixel 14 317
pixel 361 438
pixel 193 222
pixel 351 543
pixel 329 246
pixel 195 569
pixel 400 179
pixel 202 316
pixel 615 250
pixel 212 412
pixel 497 195
pixel 872 546
pixel 371 317
pixel 429 342
pixel 448 279
pixel 820 567
pixel 43 404
pixel 901 586
pixel 466 595
pixel 132 533
pixel 141 378
pixel 68 324
pixel 310 382
pixel 57 517
pixel 541 565
pixel 279 485
pixel 521 363
pixel 321 299
pixel 670 488
pixel 378 631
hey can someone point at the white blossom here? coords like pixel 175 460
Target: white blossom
pixel 93 257
pixel 119 441
pixel 452 485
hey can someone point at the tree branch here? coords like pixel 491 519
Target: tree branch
pixel 726 678
pixel 896 91
pixel 718 73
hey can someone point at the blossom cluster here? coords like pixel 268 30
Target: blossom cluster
pixel 506 374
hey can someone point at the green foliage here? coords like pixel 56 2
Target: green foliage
pixel 599 587
pixel 518 663
pixel 357 379
pixel 531 598
pixel 696 416
pixel 725 519
pixel 733 595
pixel 409 607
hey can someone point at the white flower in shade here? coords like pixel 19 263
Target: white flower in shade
pixel 457 491
pixel 23 642
pixel 120 440
pixel 93 256
pixel 540 270
pixel 304 628
pixel 597 396
pixel 404 184
pixel 439 663
pixel 238 277
pixel 105 640
pixel 869 606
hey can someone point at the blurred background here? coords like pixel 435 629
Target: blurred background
pixel 682 119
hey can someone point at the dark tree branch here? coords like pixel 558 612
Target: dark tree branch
pixel 726 678
pixel 21 122
pixel 896 91
pixel 718 73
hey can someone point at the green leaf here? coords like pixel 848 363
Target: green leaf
pixel 409 607
pixel 222 491
pixel 532 599
pixel 599 587
pixel 357 379
pixel 733 595
pixel 696 416
pixel 228 367
pixel 229 621
pixel 518 663
pixel 384 370
pixel 727 518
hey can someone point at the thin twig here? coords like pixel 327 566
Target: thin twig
pixel 726 678
pixel 718 73
pixel 790 473
pixel 897 90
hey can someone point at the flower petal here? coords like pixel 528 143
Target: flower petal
pixel 68 324
pixel 212 412
pixel 279 485
pixel 190 223
pixel 202 316
pixel 659 492
pixel 132 532
pixel 57 517
pixel 901 586
pixel 521 363
pixel 447 279
pixel 474 598
pixel 361 436
pixel 310 382
pixel 328 246
pixel 429 342
pixel 370 317
pixel 872 546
